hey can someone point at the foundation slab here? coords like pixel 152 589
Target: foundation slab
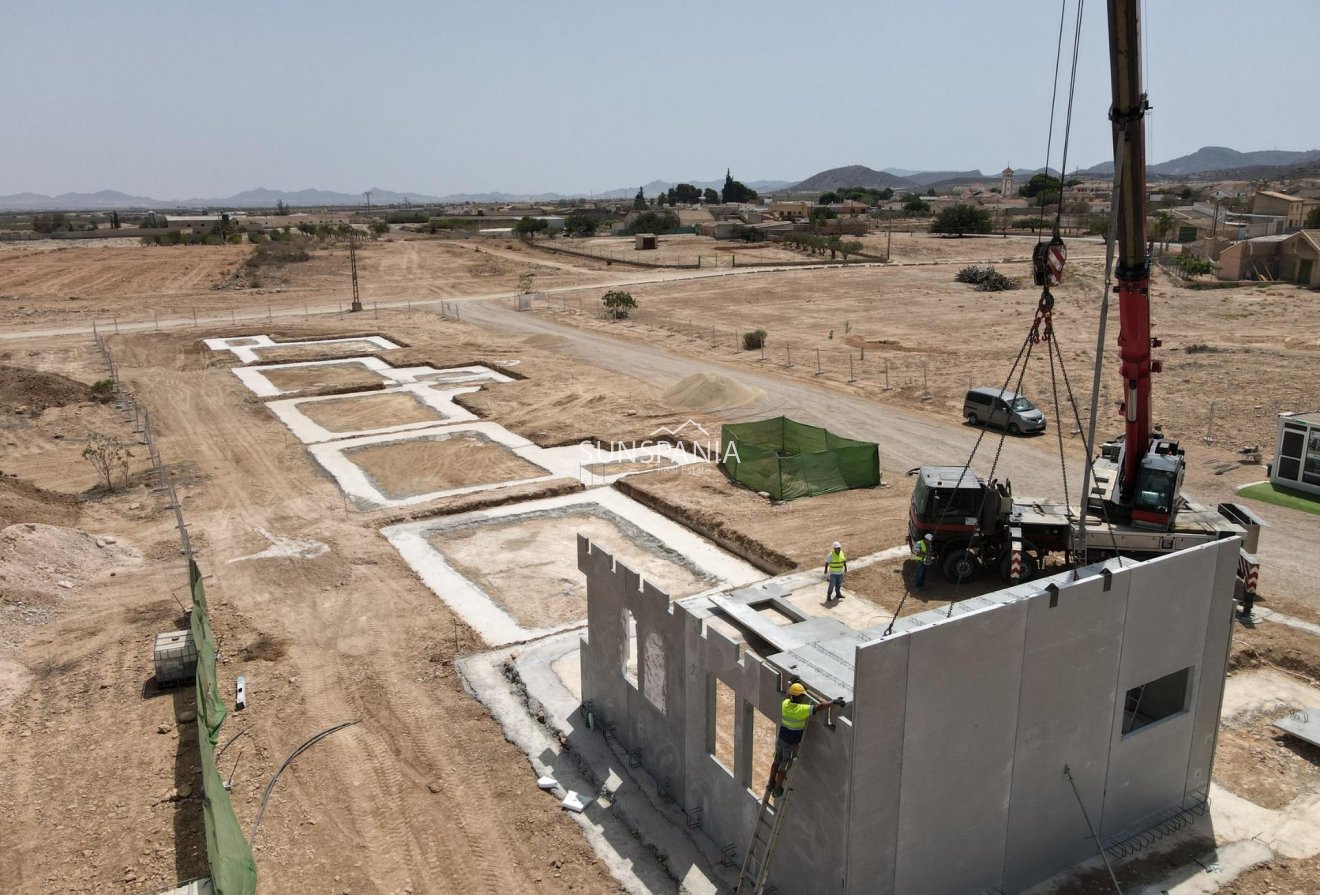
pixel 479 597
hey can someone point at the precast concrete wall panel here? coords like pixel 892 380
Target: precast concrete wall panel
pixel 1165 632
pixel 1210 696
pixel 1065 716
pixel 877 749
pixel 960 730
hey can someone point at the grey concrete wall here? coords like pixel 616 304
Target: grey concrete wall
pixel 947 774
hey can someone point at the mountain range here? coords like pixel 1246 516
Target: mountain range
pixel 1207 160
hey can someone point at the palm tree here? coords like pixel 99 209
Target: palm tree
pixel 1165 223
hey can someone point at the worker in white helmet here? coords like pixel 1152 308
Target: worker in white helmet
pixel 836 566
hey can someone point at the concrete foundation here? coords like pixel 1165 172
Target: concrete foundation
pixel 374 370
pixel 248 348
pixel 946 771
pixel 500 568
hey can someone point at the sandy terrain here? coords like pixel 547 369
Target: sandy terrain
pixel 369 411
pixel 424 793
pixel 440 463
pixel 322 376
pixel 40 284
pixel 529 566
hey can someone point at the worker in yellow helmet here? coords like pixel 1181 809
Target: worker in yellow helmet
pixel 795 711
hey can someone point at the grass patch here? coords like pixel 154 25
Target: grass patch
pixel 1283 497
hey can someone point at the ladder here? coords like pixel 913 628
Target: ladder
pixel 765 835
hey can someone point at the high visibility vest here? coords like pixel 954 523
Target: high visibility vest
pixel 836 561
pixel 795 714
pixel 922 552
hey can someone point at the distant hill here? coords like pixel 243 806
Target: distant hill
pixel 851 175
pixel 1209 159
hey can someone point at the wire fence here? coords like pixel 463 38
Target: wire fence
pixel 233 870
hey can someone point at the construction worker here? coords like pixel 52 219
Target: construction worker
pixel 924 554
pixel 836 566
pixel 795 711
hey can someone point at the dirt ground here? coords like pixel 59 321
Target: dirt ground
pixel 424 793
pixel 360 412
pixel 47 283
pixel 424 465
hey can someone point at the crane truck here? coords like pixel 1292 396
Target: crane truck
pixel 1136 507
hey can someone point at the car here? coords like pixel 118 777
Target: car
pixel 1008 410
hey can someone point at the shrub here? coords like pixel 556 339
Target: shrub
pixel 754 340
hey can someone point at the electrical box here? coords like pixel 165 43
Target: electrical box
pixel 175 657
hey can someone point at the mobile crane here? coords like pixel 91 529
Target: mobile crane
pixel 1136 507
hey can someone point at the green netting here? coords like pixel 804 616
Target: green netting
pixel 789 460
pixel 233 872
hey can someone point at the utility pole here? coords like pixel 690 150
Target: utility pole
pixel 352 263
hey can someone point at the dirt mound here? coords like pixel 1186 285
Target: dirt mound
pixel 48 558
pixel 32 391
pixel 710 391
pixel 21 502
pixel 545 340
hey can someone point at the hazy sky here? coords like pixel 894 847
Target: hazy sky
pixel 193 99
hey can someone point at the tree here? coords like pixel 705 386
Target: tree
pixel 618 303
pixel 109 457
pixel 685 193
pixel 1165 224
pixel 828 199
pixel 580 224
pixel 850 247
pixel 527 227
pixel 1040 183
pixel 639 200
pixel 1313 219
pixel 654 222
pixel 734 191
pixel 914 205
pixel 711 197
pixel 957 220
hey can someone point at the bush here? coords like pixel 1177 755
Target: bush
pixel 754 340
pixel 618 303
pixel 1190 266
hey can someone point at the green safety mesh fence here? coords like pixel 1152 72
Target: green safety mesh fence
pixel 789 460
pixel 233 872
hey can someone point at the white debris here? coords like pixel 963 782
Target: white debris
pixel 576 802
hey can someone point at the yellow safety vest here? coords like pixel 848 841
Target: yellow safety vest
pixel 795 714
pixel 836 561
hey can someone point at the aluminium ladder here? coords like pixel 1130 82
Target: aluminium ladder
pixel 765 835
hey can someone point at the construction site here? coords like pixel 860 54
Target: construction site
pixel 420 569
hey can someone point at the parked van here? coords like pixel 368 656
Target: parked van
pixel 992 407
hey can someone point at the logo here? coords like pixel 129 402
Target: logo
pixel 668 449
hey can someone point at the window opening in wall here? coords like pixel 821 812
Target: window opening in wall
pixel 629 647
pixel 723 719
pixel 765 730
pixel 1161 698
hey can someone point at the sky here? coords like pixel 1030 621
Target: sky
pixel 191 99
